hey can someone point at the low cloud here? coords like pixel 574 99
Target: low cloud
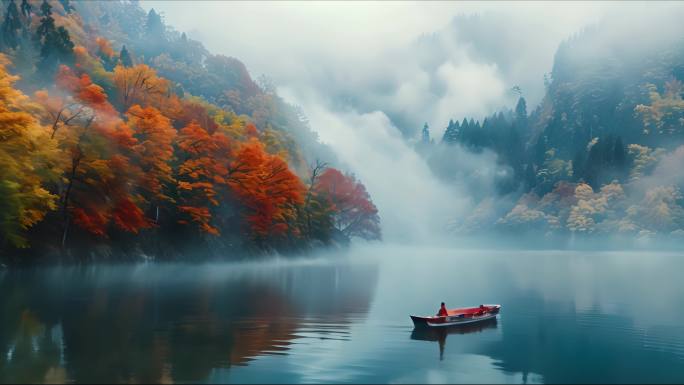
pixel 368 75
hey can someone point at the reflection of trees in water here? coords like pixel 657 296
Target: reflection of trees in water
pixel 30 355
pixel 117 328
pixel 440 334
pixel 563 345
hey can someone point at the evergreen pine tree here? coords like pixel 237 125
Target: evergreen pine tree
pixel 426 134
pixel 465 131
pixel 47 23
pixel 452 132
pixel 125 57
pixel 530 177
pixel 521 110
pixel 11 25
pixel 479 136
pixel 446 132
pixel 578 166
pixel 25 57
pixel 540 150
pixel 154 35
pixel 619 155
pixel 620 159
pixel 55 43
pixel 25 8
pixel 154 28
pixel 592 167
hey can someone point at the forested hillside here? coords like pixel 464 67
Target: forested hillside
pixel 120 137
pixel 601 154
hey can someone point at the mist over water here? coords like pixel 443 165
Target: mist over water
pixel 566 317
pixel 368 76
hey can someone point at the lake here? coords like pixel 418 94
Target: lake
pixel 566 317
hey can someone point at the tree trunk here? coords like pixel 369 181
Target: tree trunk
pixel 65 203
pixel 64 233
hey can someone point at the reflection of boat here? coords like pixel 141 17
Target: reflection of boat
pixel 461 316
pixel 440 334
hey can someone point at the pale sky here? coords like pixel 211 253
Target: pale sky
pixel 305 46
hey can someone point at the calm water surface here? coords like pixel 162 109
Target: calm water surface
pixel 566 317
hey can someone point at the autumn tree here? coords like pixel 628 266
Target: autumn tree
pixel 318 211
pixel 96 182
pixel 659 211
pixel 105 52
pixel 355 213
pixel 196 110
pixel 268 189
pixel 201 174
pixel 644 159
pixel 155 136
pixel 80 95
pixel 665 114
pixel 59 111
pixel 139 85
pixel 97 187
pixel 27 160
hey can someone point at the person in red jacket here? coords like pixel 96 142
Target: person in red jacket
pixel 442 311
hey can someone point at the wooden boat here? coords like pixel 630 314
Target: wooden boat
pixel 439 335
pixel 461 316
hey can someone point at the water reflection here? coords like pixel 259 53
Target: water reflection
pixel 567 317
pixel 440 334
pixel 166 323
pixel 564 345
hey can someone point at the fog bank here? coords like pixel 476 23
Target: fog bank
pixel 369 74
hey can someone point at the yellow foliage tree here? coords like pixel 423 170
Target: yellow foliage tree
pixel 140 85
pixel 27 156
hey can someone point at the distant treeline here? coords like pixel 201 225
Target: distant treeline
pixel 601 154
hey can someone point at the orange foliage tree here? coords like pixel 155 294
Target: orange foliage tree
pixel 104 48
pixel 268 189
pixel 139 85
pixel 112 163
pixel 202 171
pixel 98 183
pixel 355 213
pixel 155 136
pixel 84 91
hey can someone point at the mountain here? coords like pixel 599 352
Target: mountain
pixel 597 155
pixel 123 138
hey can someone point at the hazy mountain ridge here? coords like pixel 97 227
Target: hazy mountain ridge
pixel 596 156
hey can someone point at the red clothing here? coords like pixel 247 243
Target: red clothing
pixel 442 312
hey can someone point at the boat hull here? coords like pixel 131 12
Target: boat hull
pixel 457 317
